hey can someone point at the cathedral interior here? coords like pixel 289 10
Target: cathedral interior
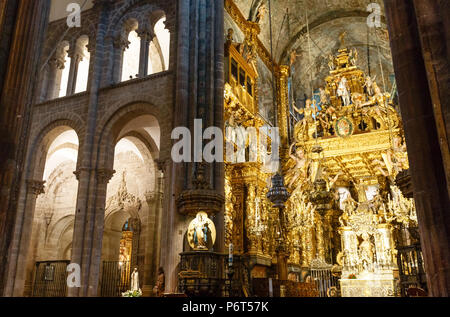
pixel 350 96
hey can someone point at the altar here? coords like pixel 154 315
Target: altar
pixel 371 285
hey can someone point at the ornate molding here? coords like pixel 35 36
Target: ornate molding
pixel 193 201
pixel 247 27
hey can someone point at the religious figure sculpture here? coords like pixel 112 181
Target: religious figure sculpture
pixel 361 188
pixel 299 171
pixel 262 11
pixel 135 280
pixel 343 91
pixel 368 85
pixel 353 57
pixel 331 63
pixel 293 58
pixel 201 232
pixel 159 288
pixel 323 96
pixel 366 251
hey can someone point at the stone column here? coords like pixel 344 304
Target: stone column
pixel 151 199
pixel 146 37
pixel 103 176
pixel 436 53
pixel 76 56
pixel 56 65
pixel 120 45
pixel 8 12
pixel 90 199
pixel 19 251
pixel 424 151
pixel 24 30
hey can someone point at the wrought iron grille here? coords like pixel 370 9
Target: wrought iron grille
pixel 50 279
pixel 116 278
pixel 411 269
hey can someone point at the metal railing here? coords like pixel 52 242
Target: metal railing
pixel 50 279
pixel 116 278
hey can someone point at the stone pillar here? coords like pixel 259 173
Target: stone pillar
pixel 75 58
pixel 55 65
pixel 199 95
pixel 120 45
pixel 19 272
pixel 103 176
pixel 424 151
pixel 146 37
pixel 151 199
pixel 88 227
pixel 24 30
pixel 436 53
pixel 8 13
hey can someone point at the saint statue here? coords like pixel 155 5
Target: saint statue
pixel 343 91
pixel 361 189
pixel 200 237
pixel 301 165
pixel 366 251
pixel 135 280
pixel 159 288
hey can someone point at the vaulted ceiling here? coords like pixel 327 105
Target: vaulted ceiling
pixel 289 18
pixel 327 19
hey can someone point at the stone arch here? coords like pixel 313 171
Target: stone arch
pixel 28 230
pixel 115 121
pixel 36 155
pixel 60 236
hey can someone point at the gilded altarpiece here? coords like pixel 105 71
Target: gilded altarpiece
pixel 340 170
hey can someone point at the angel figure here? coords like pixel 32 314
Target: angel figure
pixel 332 181
pixel 368 85
pixel 301 165
pixel 349 205
pixel 293 57
pixel 354 57
pixel 262 11
pixel 331 63
pixel 380 167
pixel 323 96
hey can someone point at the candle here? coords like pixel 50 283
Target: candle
pixel 230 255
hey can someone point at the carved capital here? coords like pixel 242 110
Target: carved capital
pixel 104 175
pixel 162 164
pixel 121 43
pixel 80 170
pixel 145 35
pixel 170 24
pixel 36 187
pixel 56 63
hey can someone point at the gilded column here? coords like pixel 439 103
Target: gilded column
pixel 283 109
